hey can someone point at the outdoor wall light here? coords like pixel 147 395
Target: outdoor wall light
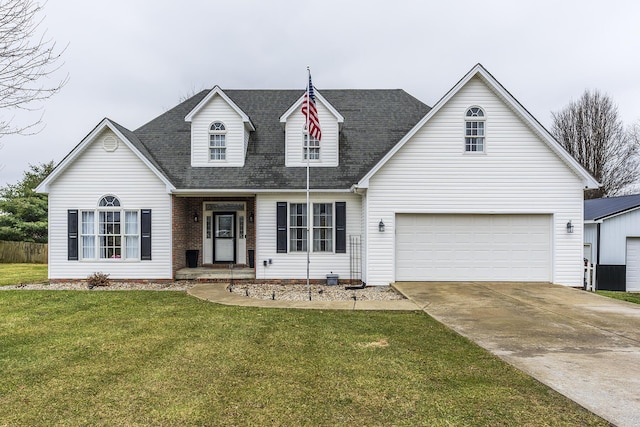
pixel 251 218
pixel 569 227
pixel 381 226
pixel 195 217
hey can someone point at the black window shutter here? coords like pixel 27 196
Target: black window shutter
pixel 341 227
pixel 145 234
pixel 281 225
pixel 72 235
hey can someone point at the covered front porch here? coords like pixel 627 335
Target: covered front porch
pixel 213 237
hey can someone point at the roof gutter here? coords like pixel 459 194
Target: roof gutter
pixel 209 191
pixel 357 190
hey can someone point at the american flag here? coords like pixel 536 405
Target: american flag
pixel 311 114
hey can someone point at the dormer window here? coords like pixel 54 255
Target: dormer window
pixel 311 146
pixel 474 133
pixel 217 142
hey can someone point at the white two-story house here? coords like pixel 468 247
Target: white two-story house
pixel 473 189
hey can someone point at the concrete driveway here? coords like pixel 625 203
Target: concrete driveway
pixel 585 346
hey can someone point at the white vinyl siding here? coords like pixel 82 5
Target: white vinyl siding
pixel 294 153
pixel 293 265
pixel 613 234
pixel 518 175
pixel 93 174
pixel 236 136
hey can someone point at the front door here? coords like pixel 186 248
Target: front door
pixel 224 241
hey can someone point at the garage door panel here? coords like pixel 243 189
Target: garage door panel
pixel 473 247
pixel 633 264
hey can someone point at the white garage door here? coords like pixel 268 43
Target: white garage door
pixel 473 247
pixel 633 264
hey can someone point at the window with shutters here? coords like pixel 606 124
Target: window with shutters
pixel 298 227
pixel 323 227
pixel 327 227
pixel 111 232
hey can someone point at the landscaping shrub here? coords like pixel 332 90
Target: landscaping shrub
pixel 98 279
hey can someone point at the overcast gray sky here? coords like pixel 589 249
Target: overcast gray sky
pixel 131 60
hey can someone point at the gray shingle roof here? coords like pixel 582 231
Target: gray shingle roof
pixel 596 209
pixel 133 138
pixel 374 121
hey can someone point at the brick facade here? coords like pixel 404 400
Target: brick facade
pixel 187 234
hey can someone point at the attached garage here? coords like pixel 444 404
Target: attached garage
pixel 478 247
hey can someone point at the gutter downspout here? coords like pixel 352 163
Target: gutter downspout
pixel 595 272
pixel 598 245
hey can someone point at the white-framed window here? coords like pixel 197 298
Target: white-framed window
pixel 109 202
pixel 132 234
pixel 298 227
pixel 109 235
pixel 310 147
pixel 322 229
pixel 474 133
pixel 110 232
pixel 217 141
pixel 88 233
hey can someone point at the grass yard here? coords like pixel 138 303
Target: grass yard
pixel 165 358
pixel 16 274
pixel 624 296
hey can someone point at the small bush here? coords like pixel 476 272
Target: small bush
pixel 98 279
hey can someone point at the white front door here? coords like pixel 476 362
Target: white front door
pixel 224 241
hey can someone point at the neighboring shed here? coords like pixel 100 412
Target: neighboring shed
pixel 612 241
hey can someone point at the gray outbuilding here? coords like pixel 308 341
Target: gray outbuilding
pixel 612 241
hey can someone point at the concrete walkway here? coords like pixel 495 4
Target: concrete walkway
pixel 585 346
pixel 217 292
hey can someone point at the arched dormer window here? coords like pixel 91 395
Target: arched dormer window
pixel 474 133
pixel 217 141
pixel 310 145
pixel 109 201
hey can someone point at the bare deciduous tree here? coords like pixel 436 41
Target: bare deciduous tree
pixel 591 130
pixel 27 61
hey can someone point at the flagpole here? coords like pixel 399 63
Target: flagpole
pixel 308 142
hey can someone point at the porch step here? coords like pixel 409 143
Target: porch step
pixel 216 274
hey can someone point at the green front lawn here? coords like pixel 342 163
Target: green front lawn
pixel 624 296
pixel 17 274
pixel 165 358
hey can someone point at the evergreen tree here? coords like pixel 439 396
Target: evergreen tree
pixel 23 212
